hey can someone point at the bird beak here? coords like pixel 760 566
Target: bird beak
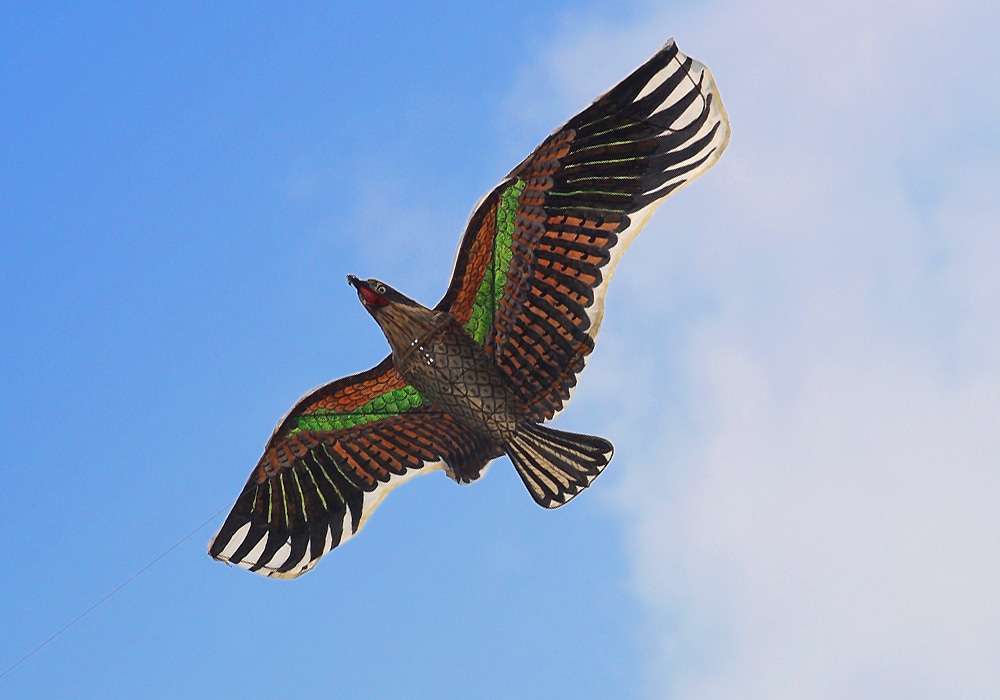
pixel 361 288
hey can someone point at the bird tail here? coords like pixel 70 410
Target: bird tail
pixel 556 465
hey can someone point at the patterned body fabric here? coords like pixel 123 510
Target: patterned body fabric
pixel 454 374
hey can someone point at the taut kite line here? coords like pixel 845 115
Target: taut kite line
pixel 473 378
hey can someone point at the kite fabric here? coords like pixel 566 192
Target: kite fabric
pixel 475 377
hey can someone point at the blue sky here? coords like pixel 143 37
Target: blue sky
pixel 798 365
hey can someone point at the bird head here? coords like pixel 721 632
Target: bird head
pixel 377 295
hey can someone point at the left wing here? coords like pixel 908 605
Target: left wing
pixel 539 250
pixel 330 463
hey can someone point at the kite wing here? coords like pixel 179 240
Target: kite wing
pixel 330 463
pixel 539 250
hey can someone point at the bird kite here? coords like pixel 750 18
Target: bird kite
pixel 475 377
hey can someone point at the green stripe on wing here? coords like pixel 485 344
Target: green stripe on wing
pixel 491 288
pixel 391 403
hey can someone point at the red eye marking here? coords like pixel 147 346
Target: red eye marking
pixel 372 298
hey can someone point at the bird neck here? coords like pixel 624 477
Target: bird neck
pixel 405 326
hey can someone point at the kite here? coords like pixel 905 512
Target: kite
pixel 476 377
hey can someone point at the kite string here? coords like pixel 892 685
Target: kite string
pixel 113 591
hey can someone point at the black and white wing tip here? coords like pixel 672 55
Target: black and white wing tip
pixel 682 100
pixel 276 553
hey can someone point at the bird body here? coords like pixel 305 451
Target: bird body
pixel 476 376
pixel 432 352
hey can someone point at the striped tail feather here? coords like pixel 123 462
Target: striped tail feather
pixel 556 465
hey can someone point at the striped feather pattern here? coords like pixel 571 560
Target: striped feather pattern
pixel 555 465
pixel 313 490
pixel 587 191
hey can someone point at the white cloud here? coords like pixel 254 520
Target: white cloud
pixel 812 499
